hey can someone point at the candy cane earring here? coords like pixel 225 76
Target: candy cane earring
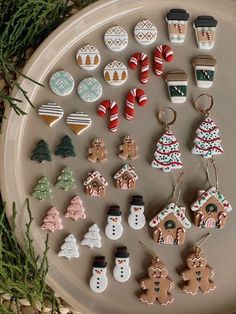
pixel 198 274
pixel 162 52
pixel 143 59
pixel 167 154
pixel 207 142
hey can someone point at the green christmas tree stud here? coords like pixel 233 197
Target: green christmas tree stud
pixel 42 189
pixel 65 148
pixel 41 152
pixel 66 180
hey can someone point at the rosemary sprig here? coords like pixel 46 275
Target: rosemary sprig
pixel 22 272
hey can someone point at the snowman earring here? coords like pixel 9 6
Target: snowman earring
pixel 114 228
pixel 167 154
pixel 198 274
pixel 136 219
pixel 98 281
pixel 170 224
pixel 207 142
pixel 122 271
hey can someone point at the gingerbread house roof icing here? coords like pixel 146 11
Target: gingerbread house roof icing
pixel 205 195
pixel 176 210
pixel 126 168
pixel 95 175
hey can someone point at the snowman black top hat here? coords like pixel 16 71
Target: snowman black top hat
pixel 122 252
pixel 114 211
pixel 177 15
pixel 137 200
pixel 99 262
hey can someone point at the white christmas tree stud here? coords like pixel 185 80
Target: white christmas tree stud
pixel 76 209
pixel 167 154
pixel 207 142
pixel 92 238
pixel 69 248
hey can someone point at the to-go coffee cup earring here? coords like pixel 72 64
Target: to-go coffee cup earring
pixel 167 154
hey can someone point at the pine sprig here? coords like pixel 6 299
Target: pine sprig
pixel 22 272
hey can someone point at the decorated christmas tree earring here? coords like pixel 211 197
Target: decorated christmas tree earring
pixel 198 274
pixel 167 154
pixel 170 224
pixel 207 142
pixel 157 285
pixel 211 207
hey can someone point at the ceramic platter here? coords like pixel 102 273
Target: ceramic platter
pixel 19 173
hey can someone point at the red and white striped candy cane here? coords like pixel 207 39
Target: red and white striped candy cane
pixel 143 59
pixel 134 94
pixel 179 27
pixel 162 52
pixel 114 110
pixel 207 34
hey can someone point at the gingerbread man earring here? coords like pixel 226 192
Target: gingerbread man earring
pixel 198 274
pixel 157 285
pixel 167 154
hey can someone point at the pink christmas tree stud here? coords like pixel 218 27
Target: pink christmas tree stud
pixel 52 221
pixel 207 142
pixel 167 154
pixel 76 209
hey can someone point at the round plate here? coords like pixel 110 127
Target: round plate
pixel 19 173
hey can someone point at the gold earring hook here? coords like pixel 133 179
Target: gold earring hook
pixel 212 162
pixel 179 184
pixel 206 111
pixel 196 248
pixel 154 257
pixel 164 123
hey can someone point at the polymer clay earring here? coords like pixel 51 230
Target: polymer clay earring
pixel 211 207
pixel 170 224
pixel 177 82
pixel 205 29
pixel 157 285
pixel 167 154
pixel 204 66
pixel 207 142
pixel 177 20
pixel 198 274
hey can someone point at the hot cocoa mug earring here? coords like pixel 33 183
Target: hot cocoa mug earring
pixel 167 154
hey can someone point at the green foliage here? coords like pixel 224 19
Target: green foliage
pixel 41 152
pixel 66 179
pixel 42 189
pixel 22 272
pixel 25 24
pixel 65 148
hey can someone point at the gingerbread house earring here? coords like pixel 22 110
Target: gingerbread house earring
pixel 170 224
pixel 167 154
pixel 198 274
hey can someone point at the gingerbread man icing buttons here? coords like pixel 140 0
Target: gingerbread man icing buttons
pixel 50 113
pixel 89 89
pixel 205 29
pixel 198 273
pixel 115 73
pixel 98 152
pixel 157 285
pixel 88 57
pixel 62 83
pixel 177 20
pixel 128 148
pixel 116 38
pixel 145 32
